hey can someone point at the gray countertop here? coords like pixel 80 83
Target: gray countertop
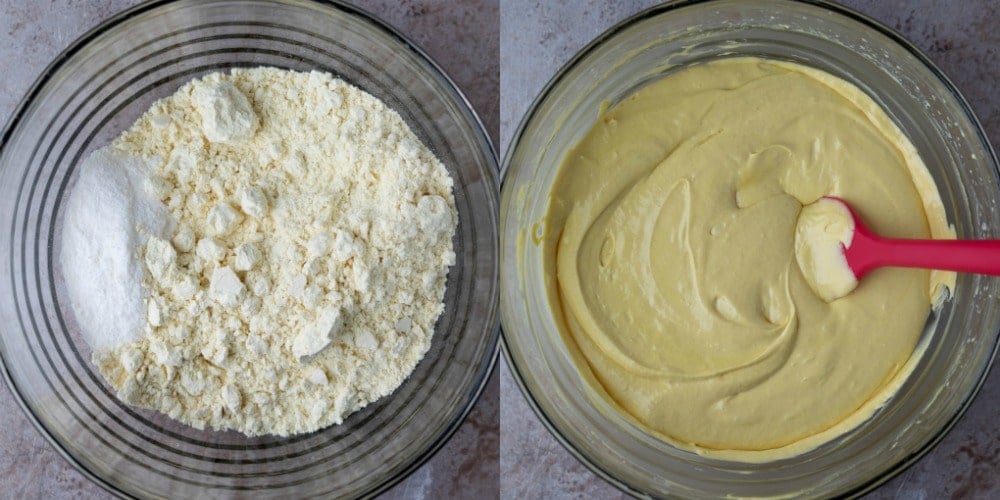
pixel 540 35
pixel 462 36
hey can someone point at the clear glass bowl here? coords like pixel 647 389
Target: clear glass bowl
pixel 960 341
pixel 96 89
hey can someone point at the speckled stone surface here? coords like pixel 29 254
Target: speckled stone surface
pixel 462 36
pixel 538 36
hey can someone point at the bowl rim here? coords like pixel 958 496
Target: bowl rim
pixel 492 357
pixel 662 9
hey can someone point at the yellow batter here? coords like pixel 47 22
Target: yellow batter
pixel 670 234
pixel 823 230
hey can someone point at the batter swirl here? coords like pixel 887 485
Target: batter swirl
pixel 670 234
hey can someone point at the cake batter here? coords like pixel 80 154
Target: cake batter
pixel 823 230
pixel 670 233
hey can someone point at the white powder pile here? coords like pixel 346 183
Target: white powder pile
pixel 107 218
pixel 307 265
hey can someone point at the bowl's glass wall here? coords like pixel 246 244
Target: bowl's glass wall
pixel 960 340
pixel 95 91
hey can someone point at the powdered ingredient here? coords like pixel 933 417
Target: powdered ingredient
pixel 108 216
pixel 308 263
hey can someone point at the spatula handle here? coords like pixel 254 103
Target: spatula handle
pixel 968 256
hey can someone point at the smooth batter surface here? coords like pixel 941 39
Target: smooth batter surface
pixel 670 234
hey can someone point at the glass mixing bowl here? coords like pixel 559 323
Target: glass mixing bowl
pixel 96 89
pixel 960 341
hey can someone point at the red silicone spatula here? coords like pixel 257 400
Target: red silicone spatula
pixel 835 249
pixel 868 251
